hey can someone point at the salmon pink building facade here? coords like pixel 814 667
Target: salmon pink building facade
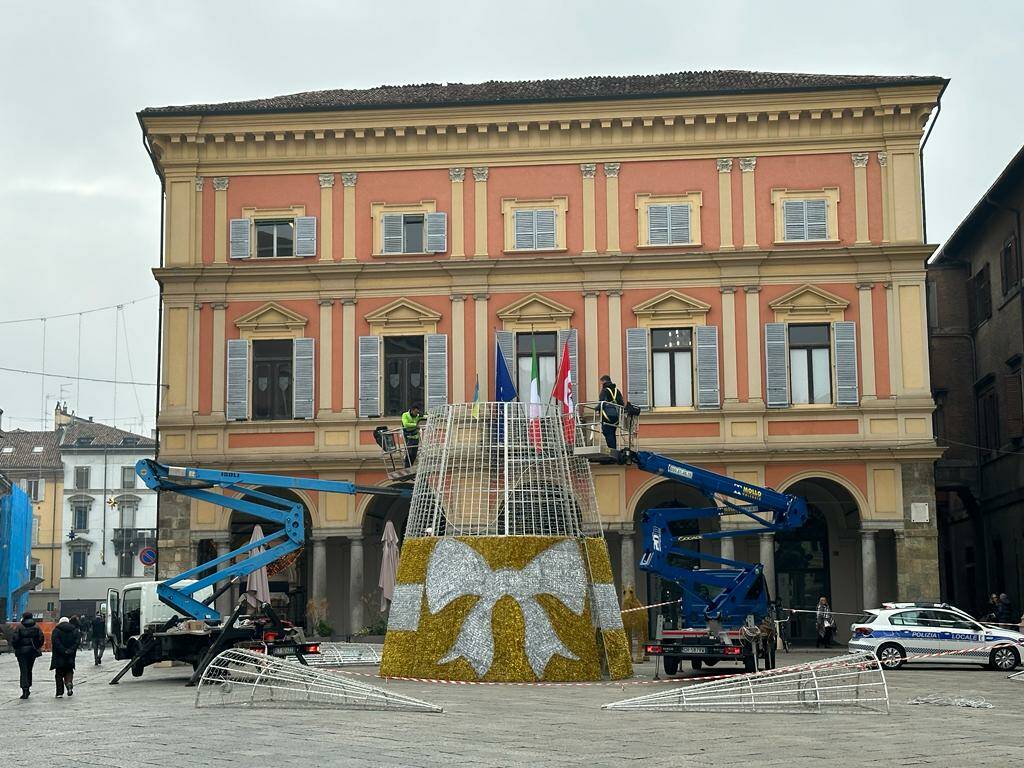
pixel 743 253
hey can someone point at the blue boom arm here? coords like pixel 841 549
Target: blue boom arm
pixel 734 590
pixel 198 484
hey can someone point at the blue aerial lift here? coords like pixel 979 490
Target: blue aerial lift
pixel 720 608
pixel 148 639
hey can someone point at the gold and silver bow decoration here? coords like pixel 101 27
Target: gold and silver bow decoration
pixel 456 570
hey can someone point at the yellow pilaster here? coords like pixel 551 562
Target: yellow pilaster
pixel 867 342
pixel 480 211
pixel 754 342
pixel 747 166
pixel 611 175
pixel 589 171
pixel 220 219
pixel 729 342
pixel 615 336
pixel 913 336
pixel 181 222
pixel 326 217
pixel 458 178
pixel 725 202
pixel 197 253
pixel 860 185
pixel 483 343
pixel 326 354
pixel 590 340
pixel 348 355
pixel 883 162
pixel 176 352
pixel 219 351
pixel 458 350
pixel 348 181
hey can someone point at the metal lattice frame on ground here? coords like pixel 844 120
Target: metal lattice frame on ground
pixel 343 654
pixel 852 683
pixel 1019 676
pixel 243 678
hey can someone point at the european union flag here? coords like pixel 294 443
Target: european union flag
pixel 504 386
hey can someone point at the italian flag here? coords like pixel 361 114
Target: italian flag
pixel 534 406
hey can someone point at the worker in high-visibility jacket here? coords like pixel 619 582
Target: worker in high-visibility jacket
pixel 411 429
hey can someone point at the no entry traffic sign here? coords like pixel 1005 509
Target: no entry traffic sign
pixel 147 556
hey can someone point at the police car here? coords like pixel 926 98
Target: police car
pixel 900 630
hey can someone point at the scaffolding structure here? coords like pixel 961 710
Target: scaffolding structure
pixel 244 678
pixel 852 683
pixel 501 469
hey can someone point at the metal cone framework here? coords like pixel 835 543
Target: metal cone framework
pixel 243 678
pixel 343 654
pixel 851 683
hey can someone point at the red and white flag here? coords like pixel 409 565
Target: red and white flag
pixel 563 393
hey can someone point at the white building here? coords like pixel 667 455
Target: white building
pixel 109 516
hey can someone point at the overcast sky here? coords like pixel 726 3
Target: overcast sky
pixel 79 201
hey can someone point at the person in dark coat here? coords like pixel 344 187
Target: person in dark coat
pixel 27 642
pixel 1004 611
pixel 64 642
pixel 98 634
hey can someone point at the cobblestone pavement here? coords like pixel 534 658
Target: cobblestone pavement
pixel 152 721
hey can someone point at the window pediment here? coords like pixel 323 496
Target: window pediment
pixel 671 308
pixel 535 312
pixel 809 303
pixel 403 317
pixel 271 320
pixel 80 498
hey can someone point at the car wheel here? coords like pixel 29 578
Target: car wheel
pixel 671 665
pixel 696 664
pixel 891 656
pixel 1004 659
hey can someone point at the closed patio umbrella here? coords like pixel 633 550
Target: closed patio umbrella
pixel 388 566
pixel 257 583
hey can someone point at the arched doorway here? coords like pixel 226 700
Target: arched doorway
pixel 379 511
pixel 289 577
pixel 820 558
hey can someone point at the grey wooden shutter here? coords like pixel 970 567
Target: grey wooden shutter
pixel 41 489
pixel 305 236
pixel 436 226
pixel 776 365
pixel 392 233
pixel 525 231
pixel 679 224
pixel 369 376
pixel 793 221
pixel 657 225
pixel 435 348
pixel 237 388
pixel 544 222
pixel 708 392
pixel 303 353
pixel 569 337
pixel 507 346
pixel 239 238
pixel 638 360
pixel 845 337
pixel 816 215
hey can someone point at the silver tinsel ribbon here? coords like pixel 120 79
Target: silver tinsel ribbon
pixel 456 569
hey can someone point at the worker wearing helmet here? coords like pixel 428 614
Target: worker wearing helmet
pixel 411 429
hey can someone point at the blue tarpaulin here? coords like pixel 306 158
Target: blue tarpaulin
pixel 15 548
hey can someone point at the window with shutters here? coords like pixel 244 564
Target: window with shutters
pixel 665 220
pixel 806 216
pixel 272 379
pixel 1013 404
pixel 413 229
pixel 810 364
pixel 672 367
pixel 979 296
pixel 546 345
pixel 81 478
pixel 988 420
pixel 404 377
pixel 535 225
pixel 275 238
pixel 1009 265
pixel 79 557
pixel 34 490
pixel 272 233
pixel 128 477
pixel 35 530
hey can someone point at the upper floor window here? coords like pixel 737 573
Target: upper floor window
pixel 275 239
pixel 672 366
pixel 272 379
pixel 34 489
pixel 546 346
pixel 80 515
pixel 81 478
pixel 664 220
pixel 1009 265
pixel 281 376
pixel 79 558
pixel 414 228
pixel 35 530
pixel 403 373
pixel 979 296
pixel 535 229
pixel 128 477
pixel 988 420
pixel 810 364
pixel 128 508
pixel 403 233
pixel 805 219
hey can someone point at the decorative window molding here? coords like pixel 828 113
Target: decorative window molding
pixel 809 304
pixel 671 309
pixel 288 212
pixel 377 211
pixel 831 197
pixel 643 203
pixel 535 313
pixel 403 317
pixel 271 321
pixel 509 205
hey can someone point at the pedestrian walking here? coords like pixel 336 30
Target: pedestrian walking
pixel 611 404
pixel 1004 611
pixel 824 623
pixel 98 633
pixel 27 642
pixel 64 642
pixel 411 429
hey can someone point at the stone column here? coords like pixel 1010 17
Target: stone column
pixel 458 383
pixel 224 602
pixel 484 343
pixel 729 342
pixel 869 568
pixel 197 254
pixel 725 202
pixel 860 186
pixel 355 583
pixel 754 344
pixel 590 345
pixel 348 211
pixel 867 340
pixel 628 560
pixel 611 180
pixel 220 219
pixel 589 171
pixel 348 357
pixel 768 561
pixel 615 336
pixel 326 355
pixel 883 163
pixel 217 364
pixel 747 166
pixel 457 176
pixel 319 586
pixel 480 212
